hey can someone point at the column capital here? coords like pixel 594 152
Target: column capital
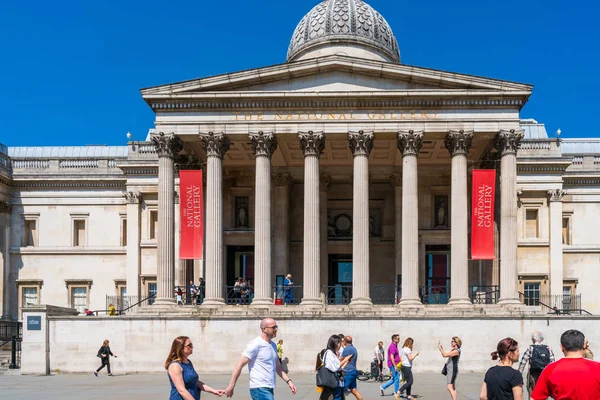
pixel 5 207
pixel 556 194
pixel 132 197
pixel 215 144
pixel 263 144
pixel 410 142
pixel 325 183
pixel 167 145
pixel 509 141
pixel 312 143
pixel 458 142
pixel 396 180
pixel 282 180
pixel 360 143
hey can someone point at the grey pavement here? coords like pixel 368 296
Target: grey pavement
pixel 156 386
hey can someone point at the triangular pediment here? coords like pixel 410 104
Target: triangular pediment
pixel 336 74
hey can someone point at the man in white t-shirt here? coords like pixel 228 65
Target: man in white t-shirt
pixel 263 364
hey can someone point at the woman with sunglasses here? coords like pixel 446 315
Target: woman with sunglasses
pixel 503 381
pixel 182 375
pixel 451 367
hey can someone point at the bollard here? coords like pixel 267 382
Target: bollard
pixel 13 354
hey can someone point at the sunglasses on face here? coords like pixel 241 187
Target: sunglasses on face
pixel 275 327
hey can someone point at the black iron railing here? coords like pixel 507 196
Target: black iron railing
pixel 123 304
pixel 434 294
pixel 239 295
pixel 337 294
pixel 8 329
pixel 287 294
pixel 386 294
pixel 484 294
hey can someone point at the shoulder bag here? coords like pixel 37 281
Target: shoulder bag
pixel 326 378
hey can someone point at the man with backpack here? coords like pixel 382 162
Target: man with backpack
pixel 538 355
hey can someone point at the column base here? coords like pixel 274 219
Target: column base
pixel 510 301
pixel 262 302
pixel 311 303
pixel 213 302
pixel 410 303
pixel 460 302
pixel 164 301
pixel 361 302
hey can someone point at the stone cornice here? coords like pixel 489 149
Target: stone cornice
pixel 312 143
pixel 263 144
pixel 313 66
pixel 70 184
pixel 215 144
pixel 458 142
pixel 542 166
pixel 361 143
pixel 410 142
pixel 581 181
pixel 167 145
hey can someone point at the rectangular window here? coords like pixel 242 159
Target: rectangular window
pixel 566 230
pixel 152 290
pixel 531 223
pixel 79 298
pixel 153 224
pixel 30 237
pixel 532 293
pixel 124 232
pixel 79 236
pixel 30 297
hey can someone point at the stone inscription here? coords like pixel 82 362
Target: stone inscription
pixel 379 115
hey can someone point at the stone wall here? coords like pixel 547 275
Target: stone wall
pixel 142 342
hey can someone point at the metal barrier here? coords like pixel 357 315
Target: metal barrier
pixel 338 294
pixel 123 304
pixel 386 294
pixel 434 294
pixel 12 332
pixel 287 294
pixel 484 294
pixel 239 295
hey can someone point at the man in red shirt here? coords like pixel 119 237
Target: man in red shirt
pixel 572 377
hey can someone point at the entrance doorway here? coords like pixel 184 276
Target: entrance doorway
pixel 240 264
pixel 437 275
pixel 339 289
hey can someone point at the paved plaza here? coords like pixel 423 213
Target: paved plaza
pixel 149 386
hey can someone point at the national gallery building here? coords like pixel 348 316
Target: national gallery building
pixel 343 167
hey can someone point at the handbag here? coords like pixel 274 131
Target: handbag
pixel 326 378
pixel 445 370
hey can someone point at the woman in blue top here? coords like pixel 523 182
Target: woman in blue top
pixel 182 376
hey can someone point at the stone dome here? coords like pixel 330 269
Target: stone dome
pixel 350 27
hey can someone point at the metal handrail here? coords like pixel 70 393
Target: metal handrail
pixel 337 294
pixel 435 294
pixel 291 294
pixel 484 294
pixel 239 295
pixel 537 301
pixel 139 302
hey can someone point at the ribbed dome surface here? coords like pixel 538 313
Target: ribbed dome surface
pixel 351 22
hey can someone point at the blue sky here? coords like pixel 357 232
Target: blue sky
pixel 70 71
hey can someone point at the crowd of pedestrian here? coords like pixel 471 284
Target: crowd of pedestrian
pixel 574 377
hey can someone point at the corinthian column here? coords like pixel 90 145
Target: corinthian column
pixel 396 181
pixel 361 144
pixel 507 143
pixel 263 145
pixel 312 146
pixel 216 145
pixel 167 147
pixel 458 144
pixel 555 198
pixel 281 226
pixel 409 144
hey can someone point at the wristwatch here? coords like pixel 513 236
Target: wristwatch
pixel 288 381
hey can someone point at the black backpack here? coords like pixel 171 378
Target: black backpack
pixel 540 357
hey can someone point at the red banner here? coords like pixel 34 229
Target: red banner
pixel 191 202
pixel 482 214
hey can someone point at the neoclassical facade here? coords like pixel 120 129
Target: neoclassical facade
pixel 342 167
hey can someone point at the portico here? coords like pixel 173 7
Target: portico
pixel 345 168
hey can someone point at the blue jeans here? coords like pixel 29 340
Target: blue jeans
pixel 262 394
pixel 395 380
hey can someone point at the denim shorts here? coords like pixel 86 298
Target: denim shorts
pixel 350 380
pixel 262 394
